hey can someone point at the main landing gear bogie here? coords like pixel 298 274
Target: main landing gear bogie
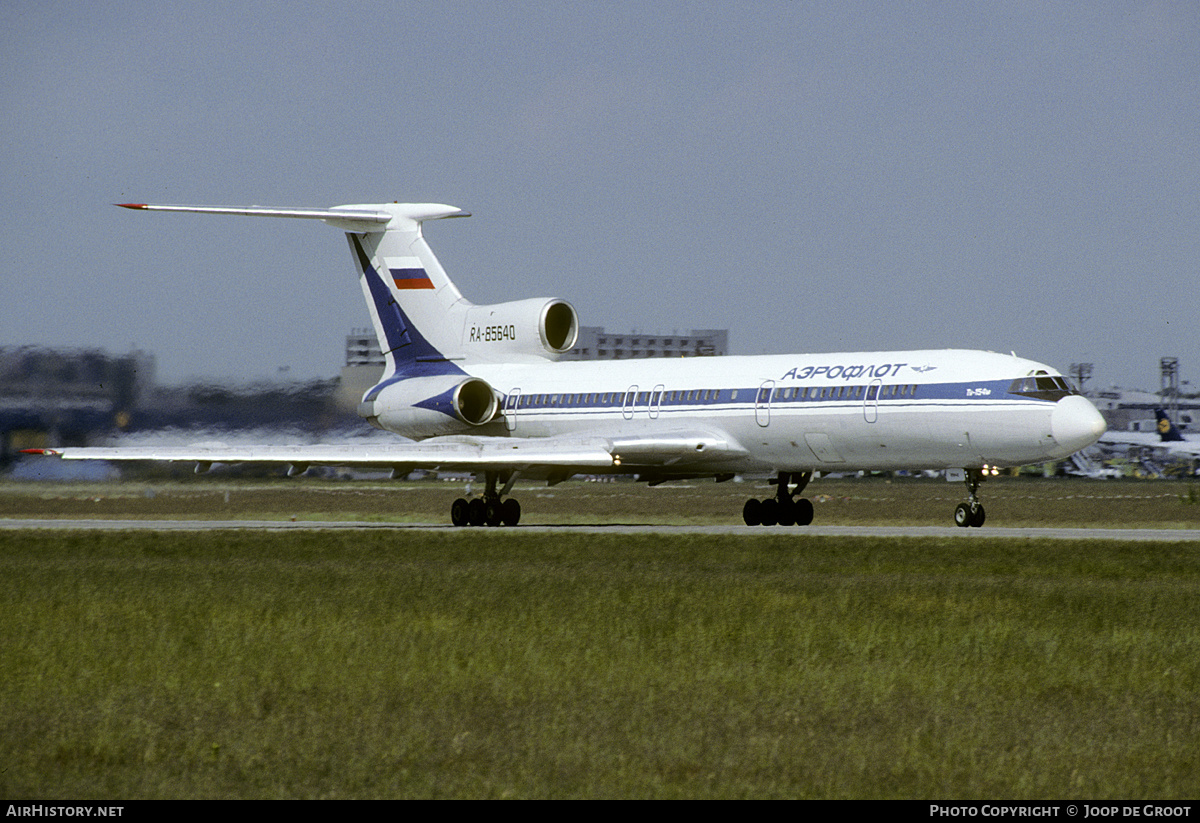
pixel 782 509
pixel 490 509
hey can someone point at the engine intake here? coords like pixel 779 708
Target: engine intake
pixel 538 327
pixel 474 402
pixel 559 326
pixel 424 406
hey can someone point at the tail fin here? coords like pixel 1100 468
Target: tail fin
pixel 414 306
pixel 408 293
pixel 1166 429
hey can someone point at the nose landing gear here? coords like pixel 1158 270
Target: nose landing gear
pixel 971 513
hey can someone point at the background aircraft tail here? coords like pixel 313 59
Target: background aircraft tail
pixel 1166 429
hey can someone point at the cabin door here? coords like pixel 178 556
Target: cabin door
pixel 655 404
pixel 511 403
pixel 762 403
pixel 871 401
pixel 630 399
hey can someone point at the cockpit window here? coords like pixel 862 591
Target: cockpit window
pixel 1042 386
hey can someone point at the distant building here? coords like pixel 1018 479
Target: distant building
pixel 364 367
pixel 1133 410
pixel 362 348
pixel 52 397
pixel 594 343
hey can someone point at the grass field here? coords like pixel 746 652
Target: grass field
pixel 491 663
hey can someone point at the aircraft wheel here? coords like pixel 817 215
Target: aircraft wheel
pixel 978 516
pixel 459 512
pixel 492 514
pixel 477 512
pixel 752 512
pixel 769 511
pixel 510 512
pixel 803 509
pixel 962 515
pixel 787 512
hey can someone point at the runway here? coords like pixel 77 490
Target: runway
pixel 1140 535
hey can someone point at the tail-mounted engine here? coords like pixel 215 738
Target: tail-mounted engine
pixel 539 327
pixel 424 406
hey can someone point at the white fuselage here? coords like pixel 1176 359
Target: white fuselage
pixel 827 412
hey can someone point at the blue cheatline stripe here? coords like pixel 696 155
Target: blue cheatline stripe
pixel 929 396
pixel 932 395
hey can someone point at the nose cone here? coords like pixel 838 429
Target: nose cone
pixel 1075 424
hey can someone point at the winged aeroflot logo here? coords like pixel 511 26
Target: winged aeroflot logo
pixel 922 369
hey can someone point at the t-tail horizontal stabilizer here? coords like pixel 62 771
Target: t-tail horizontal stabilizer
pixel 348 218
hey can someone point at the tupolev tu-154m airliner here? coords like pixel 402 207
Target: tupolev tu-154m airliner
pixel 478 387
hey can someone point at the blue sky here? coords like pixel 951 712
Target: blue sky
pixel 812 176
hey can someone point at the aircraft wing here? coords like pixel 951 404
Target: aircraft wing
pixel 1117 438
pixel 1150 441
pixel 682 450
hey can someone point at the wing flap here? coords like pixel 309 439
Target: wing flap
pixel 674 448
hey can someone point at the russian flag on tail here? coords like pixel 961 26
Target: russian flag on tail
pixel 411 278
